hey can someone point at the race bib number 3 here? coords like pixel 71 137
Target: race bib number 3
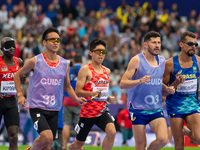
pixel 8 88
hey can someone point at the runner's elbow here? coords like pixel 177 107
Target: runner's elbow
pixel 122 86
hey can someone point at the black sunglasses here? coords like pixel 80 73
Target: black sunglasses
pixel 191 43
pixel 8 45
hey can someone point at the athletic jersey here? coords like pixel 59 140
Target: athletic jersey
pixel 46 84
pixel 185 99
pixel 6 77
pixel 67 100
pixel 147 96
pixel 96 106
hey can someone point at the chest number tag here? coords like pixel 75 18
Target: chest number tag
pixel 8 88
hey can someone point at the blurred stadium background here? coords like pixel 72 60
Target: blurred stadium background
pixel 121 23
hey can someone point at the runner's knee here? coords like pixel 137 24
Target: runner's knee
pixel 111 133
pixel 163 141
pixel 13 134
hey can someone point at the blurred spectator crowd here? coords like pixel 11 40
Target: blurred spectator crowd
pixel 122 29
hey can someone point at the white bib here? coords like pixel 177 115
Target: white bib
pixel 188 87
pixel 8 88
pixel 104 92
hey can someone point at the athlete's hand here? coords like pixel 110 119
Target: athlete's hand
pixel 111 99
pixel 81 100
pixel 145 79
pixel 170 89
pixel 199 95
pixel 97 94
pixel 179 78
pixel 22 101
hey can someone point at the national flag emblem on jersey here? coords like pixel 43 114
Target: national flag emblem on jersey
pixel 4 69
pixel 194 69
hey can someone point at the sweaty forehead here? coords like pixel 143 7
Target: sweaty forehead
pixel 154 39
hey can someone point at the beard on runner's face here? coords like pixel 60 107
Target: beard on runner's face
pixel 151 51
pixel 190 50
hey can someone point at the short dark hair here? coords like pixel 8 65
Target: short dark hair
pixel 95 43
pixel 187 33
pixel 151 34
pixel 49 30
pixel 77 58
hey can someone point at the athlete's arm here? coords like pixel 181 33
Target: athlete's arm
pixel 169 72
pixel 198 61
pixel 166 90
pixel 68 88
pixel 30 65
pixel 166 77
pixel 126 82
pixel 84 76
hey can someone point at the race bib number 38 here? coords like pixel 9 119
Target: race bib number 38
pixel 8 88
